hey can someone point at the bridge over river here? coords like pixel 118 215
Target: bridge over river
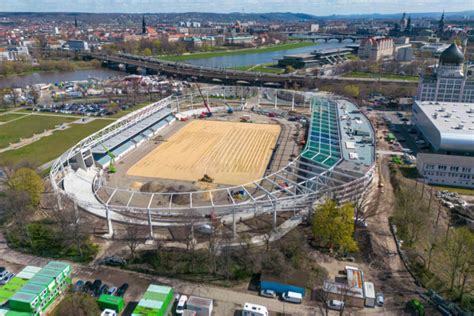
pixel 200 73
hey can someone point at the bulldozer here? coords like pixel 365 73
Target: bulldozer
pixel 207 179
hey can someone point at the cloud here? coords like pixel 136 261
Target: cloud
pixel 318 7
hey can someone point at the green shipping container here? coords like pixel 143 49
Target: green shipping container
pixel 111 302
pixel 155 302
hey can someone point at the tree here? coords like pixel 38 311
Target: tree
pixel 412 215
pixel 459 256
pixel 132 236
pixel 147 52
pixel 27 180
pixel 35 96
pixel 352 90
pixel 364 207
pixel 333 226
pixel 82 305
pixel 289 69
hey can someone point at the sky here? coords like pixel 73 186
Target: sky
pixel 316 7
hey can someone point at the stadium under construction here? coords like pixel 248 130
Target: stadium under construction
pixel 325 148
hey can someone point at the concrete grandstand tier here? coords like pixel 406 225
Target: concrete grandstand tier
pixel 324 168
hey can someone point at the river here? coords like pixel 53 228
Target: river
pixel 216 62
pixel 57 76
pixel 258 58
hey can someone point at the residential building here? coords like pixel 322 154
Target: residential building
pixel 446 170
pixel 376 48
pixel 449 82
pixel 239 40
pixel 76 45
pixel 404 54
pixel 14 53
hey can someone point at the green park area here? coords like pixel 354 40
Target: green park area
pixel 360 74
pixel 266 49
pixel 9 117
pixel 27 126
pixel 51 147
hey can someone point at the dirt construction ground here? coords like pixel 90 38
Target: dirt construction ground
pixel 229 152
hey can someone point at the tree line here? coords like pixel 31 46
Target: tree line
pixel 51 228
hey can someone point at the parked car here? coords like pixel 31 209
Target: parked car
pixel 95 286
pixel 268 293
pixel 114 261
pixel 122 289
pixel 181 304
pixel 292 297
pixel 3 273
pixel 87 287
pixel 335 305
pixel 112 290
pixel 7 278
pixel 379 299
pixel 102 290
pixel 206 229
pixel 78 286
pixel 2 269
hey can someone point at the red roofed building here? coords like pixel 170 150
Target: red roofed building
pixel 376 48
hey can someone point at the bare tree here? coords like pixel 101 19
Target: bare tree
pixel 365 206
pixel 68 217
pixel 133 236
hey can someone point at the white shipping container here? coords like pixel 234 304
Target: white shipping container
pixel 369 294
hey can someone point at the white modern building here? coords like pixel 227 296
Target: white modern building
pixel 446 170
pixel 448 127
pixel 449 82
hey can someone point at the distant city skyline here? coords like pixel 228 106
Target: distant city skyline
pixel 315 7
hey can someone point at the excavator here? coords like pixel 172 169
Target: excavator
pixel 208 113
pixel 112 160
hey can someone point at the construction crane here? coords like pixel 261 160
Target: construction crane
pixel 204 114
pixel 230 110
pixel 112 160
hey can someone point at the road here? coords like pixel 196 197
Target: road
pixel 339 78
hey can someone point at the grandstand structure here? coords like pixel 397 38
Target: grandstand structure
pixel 337 162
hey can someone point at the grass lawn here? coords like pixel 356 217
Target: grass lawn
pixel 359 74
pixel 9 116
pixel 51 147
pixel 266 49
pixel 48 113
pixel 27 126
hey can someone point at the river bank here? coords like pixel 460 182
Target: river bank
pixel 20 68
pixel 266 49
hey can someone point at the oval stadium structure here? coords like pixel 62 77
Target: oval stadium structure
pixel 337 161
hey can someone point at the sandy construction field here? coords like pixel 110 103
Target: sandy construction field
pixel 231 153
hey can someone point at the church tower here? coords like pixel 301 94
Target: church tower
pixel 144 29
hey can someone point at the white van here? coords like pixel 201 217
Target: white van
pixel 254 310
pixel 292 297
pixel 181 303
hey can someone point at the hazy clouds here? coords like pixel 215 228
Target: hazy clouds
pixel 317 7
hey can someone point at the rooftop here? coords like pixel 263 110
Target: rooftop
pixel 450 117
pixel 467 161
